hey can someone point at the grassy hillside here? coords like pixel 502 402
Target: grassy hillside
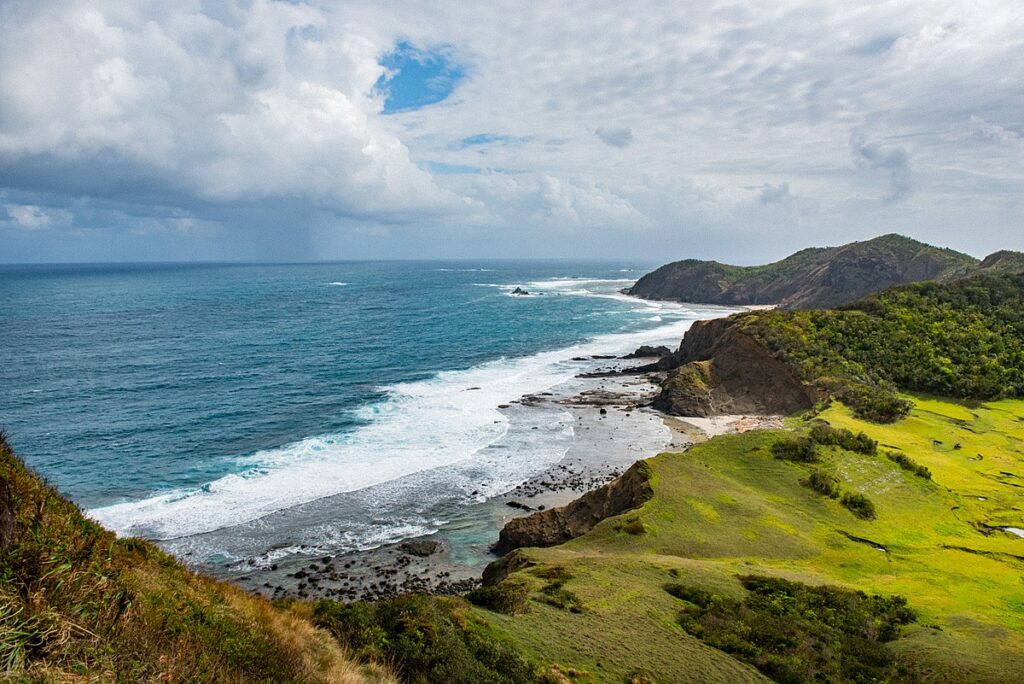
pixel 811 278
pixel 729 508
pixel 78 604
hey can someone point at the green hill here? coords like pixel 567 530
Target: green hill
pixel 663 593
pixel 963 339
pixel 818 277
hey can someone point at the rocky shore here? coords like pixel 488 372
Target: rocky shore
pixel 614 428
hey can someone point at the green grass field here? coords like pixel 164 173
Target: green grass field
pixel 727 507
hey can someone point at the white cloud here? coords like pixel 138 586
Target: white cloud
pixel 32 217
pixel 654 116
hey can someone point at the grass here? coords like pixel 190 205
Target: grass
pixel 728 508
pixel 77 604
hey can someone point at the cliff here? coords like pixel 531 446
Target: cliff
pixel 809 279
pixel 722 370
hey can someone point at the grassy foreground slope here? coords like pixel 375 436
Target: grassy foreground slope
pixel 729 508
pixel 78 604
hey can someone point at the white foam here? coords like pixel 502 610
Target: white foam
pixel 338 284
pixel 575 283
pixel 421 426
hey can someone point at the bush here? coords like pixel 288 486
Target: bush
pixel 796 449
pixel 507 597
pixel 904 461
pixel 634 526
pixel 825 434
pixel 859 505
pixel 794 632
pixel 823 483
pixel 429 639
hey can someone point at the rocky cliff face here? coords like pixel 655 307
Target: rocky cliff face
pixel 810 279
pixel 721 370
pixel 558 525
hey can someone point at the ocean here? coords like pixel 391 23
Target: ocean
pixel 233 411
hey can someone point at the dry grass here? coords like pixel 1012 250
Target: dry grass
pixel 79 605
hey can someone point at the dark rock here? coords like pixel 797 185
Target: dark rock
pixel 647 351
pixel 558 525
pixel 520 291
pixel 420 548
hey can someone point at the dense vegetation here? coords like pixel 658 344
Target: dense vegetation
pixel 76 601
pixel 794 632
pixel 428 639
pixel 964 340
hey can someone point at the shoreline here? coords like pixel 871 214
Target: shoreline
pixel 610 417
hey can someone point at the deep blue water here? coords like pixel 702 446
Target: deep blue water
pixel 175 399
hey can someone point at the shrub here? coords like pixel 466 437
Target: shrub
pixel 859 505
pixel 905 462
pixel 794 632
pixel 823 483
pixel 429 639
pixel 701 598
pixel 634 526
pixel 825 434
pixel 509 597
pixel 797 449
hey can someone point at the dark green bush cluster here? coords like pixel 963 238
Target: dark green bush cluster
pixel 827 435
pixel 796 449
pixel 794 632
pixel 859 505
pixel 505 597
pixel 905 462
pixel 428 639
pixel 554 592
pixel 964 339
pixel 634 526
pixel 823 483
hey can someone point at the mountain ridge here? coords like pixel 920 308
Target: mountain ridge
pixel 818 277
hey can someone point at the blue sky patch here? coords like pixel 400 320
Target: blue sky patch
pixel 416 77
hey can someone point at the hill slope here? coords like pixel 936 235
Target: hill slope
pixel 645 593
pixel 78 603
pixel 963 339
pixel 811 278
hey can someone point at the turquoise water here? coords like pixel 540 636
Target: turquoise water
pixel 174 401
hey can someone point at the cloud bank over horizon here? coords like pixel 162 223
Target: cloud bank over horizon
pixel 279 130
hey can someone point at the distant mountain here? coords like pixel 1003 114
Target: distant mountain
pixel 819 277
pixel 1003 261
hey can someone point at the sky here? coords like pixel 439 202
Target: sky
pixel 293 131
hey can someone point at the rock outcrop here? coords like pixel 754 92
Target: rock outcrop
pixel 557 525
pixel 721 370
pixel 810 279
pixel 647 352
